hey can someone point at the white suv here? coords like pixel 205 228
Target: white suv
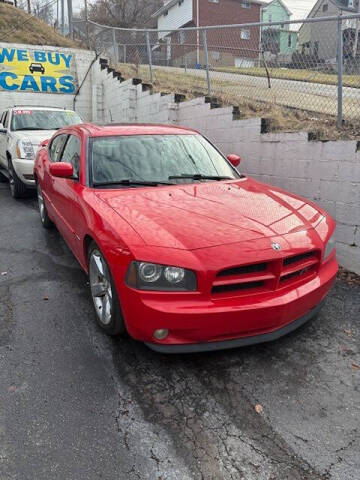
pixel 22 129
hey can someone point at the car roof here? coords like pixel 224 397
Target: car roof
pixel 105 130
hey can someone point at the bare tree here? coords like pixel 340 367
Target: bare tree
pixel 123 13
pixel 43 10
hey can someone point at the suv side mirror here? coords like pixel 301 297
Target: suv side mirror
pixel 234 160
pixel 2 128
pixel 61 170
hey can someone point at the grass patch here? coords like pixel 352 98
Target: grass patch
pixel 324 127
pixel 294 74
pixel 28 30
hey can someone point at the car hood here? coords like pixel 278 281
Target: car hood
pixel 35 136
pixel 209 214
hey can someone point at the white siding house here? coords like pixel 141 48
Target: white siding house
pixel 175 14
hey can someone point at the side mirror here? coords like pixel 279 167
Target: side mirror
pixel 61 170
pixel 234 160
pixel 2 128
pixel 44 143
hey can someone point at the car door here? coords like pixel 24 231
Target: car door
pixel 65 194
pixel 55 149
pixel 3 139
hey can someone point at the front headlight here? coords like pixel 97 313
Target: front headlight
pixel 330 246
pixel 151 276
pixel 25 149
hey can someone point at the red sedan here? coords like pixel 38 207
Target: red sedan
pixel 183 252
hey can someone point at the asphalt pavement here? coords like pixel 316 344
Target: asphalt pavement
pixel 76 405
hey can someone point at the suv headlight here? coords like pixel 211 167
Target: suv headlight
pixel 25 149
pixel 329 246
pixel 151 276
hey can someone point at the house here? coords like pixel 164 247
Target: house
pixel 226 46
pixel 279 40
pixel 320 40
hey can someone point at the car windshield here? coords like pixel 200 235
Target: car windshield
pixel 156 158
pixel 27 119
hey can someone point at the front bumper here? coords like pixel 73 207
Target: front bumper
pixel 238 342
pixel 24 169
pixel 196 323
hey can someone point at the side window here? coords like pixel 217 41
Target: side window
pixel 5 119
pixel 71 154
pixel 56 147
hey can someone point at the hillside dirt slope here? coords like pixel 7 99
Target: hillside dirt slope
pixel 16 26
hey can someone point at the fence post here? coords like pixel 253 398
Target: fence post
pixel 340 72
pixel 207 62
pixel 116 49
pixel 124 53
pixel 149 55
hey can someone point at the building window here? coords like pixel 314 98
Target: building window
pixel 270 17
pixel 166 13
pixel 215 55
pixel 245 4
pixel 180 2
pixel 289 41
pixel 245 34
pixel 325 7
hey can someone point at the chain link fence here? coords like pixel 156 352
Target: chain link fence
pixel 311 65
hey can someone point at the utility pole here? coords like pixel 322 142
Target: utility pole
pixel 197 33
pixel 28 6
pixel 62 17
pixel 70 18
pixel 87 24
pixel 356 33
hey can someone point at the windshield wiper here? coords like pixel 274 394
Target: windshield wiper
pixel 198 176
pixel 30 128
pixel 132 182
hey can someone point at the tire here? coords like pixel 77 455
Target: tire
pixel 44 217
pixel 3 178
pixel 17 188
pixel 104 294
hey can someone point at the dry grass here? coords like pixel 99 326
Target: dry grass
pixel 25 29
pixel 282 118
pixel 294 74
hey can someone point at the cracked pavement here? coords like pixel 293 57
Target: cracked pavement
pixel 77 405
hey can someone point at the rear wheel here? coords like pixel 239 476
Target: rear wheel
pixel 17 188
pixel 44 217
pixel 104 295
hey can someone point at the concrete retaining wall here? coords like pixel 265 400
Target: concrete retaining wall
pixel 327 173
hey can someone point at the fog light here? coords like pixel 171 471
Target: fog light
pixel 161 334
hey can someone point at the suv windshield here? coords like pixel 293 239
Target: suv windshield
pixel 156 158
pixel 27 119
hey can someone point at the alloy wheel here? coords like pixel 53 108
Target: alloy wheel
pixel 41 203
pixel 101 289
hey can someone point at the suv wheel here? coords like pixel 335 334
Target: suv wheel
pixel 17 188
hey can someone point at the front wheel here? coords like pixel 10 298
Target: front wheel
pixel 44 217
pixel 104 295
pixel 17 188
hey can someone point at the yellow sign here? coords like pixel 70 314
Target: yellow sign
pixel 37 71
